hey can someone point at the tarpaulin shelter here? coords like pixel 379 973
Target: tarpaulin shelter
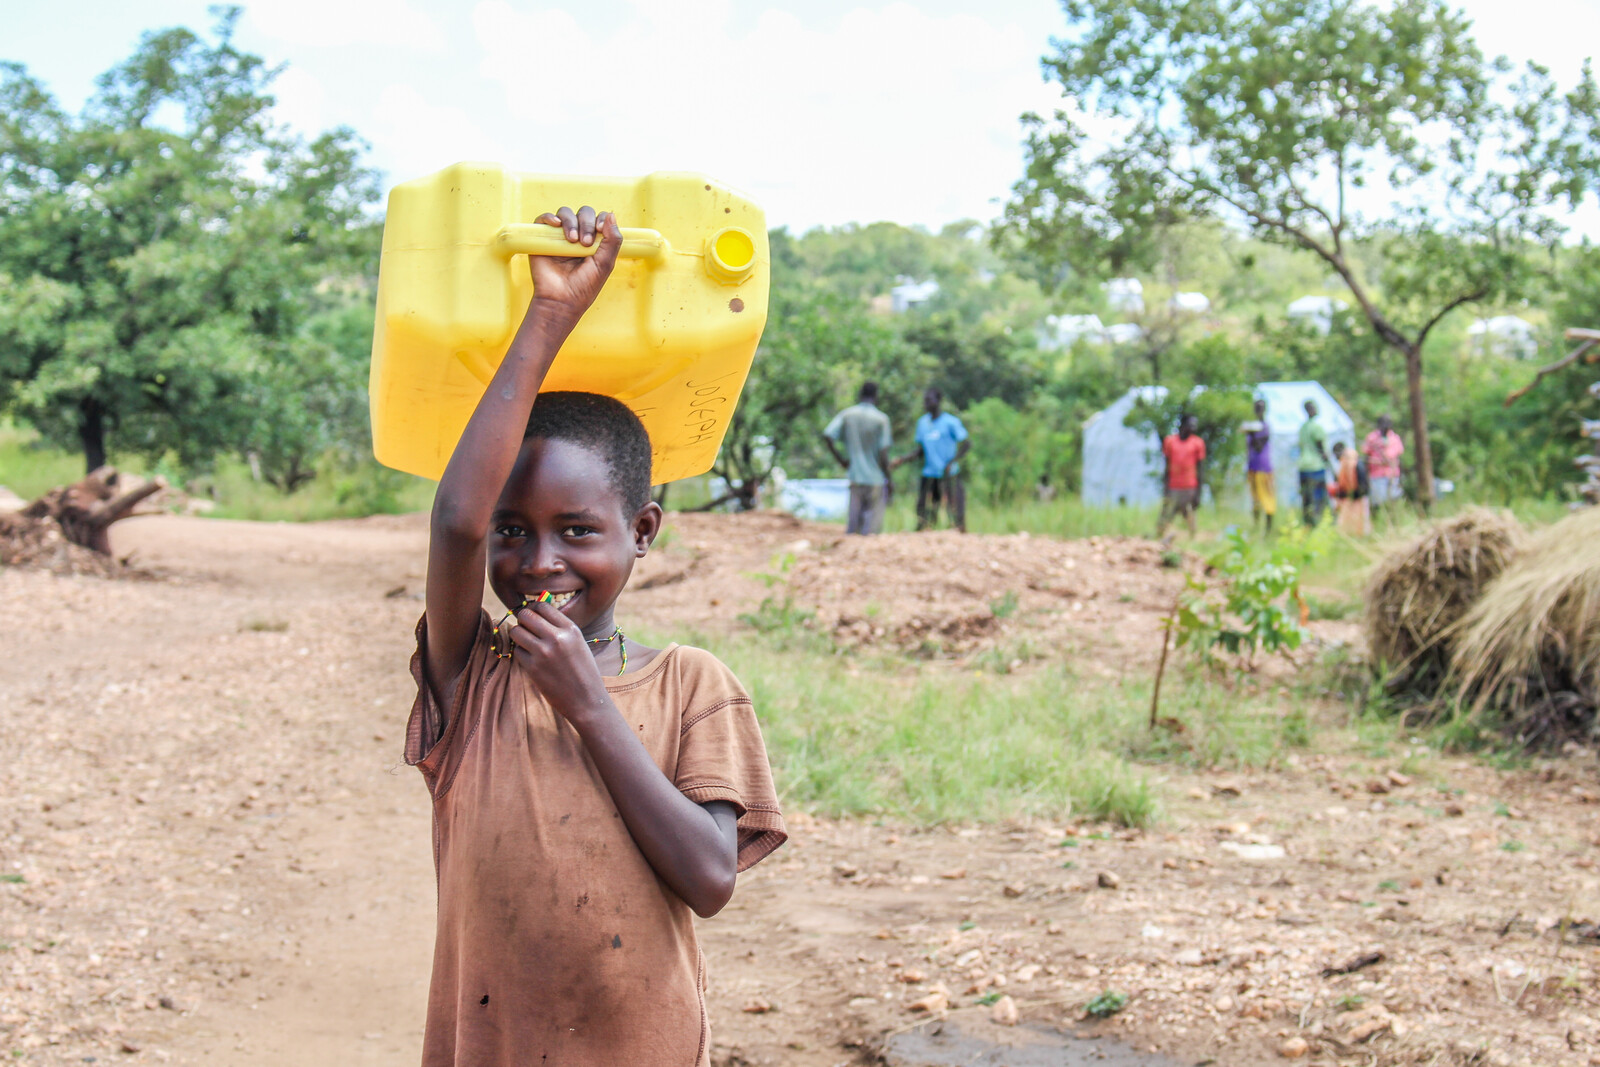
pixel 1286 413
pixel 1123 465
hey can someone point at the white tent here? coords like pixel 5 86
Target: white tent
pixel 911 293
pixel 1317 311
pixel 1122 466
pixel 1064 331
pixel 1125 295
pixel 1504 335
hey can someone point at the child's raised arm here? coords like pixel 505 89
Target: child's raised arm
pixel 563 289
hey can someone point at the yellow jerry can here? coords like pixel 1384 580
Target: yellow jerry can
pixel 672 334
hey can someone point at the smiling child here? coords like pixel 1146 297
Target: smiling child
pixel 589 793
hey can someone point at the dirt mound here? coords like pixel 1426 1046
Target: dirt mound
pixel 938 594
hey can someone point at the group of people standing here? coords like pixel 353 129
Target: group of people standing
pixel 1354 482
pixel 941 442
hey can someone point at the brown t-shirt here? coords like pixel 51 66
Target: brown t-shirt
pixel 557 943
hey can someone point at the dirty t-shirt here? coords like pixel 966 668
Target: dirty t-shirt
pixel 557 943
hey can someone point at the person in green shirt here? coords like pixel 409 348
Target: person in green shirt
pixel 1314 464
pixel 864 432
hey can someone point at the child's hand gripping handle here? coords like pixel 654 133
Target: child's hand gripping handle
pixel 541 239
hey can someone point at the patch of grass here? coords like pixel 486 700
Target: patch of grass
pixel 1512 846
pixel 265 626
pixel 1349 1002
pixel 989 998
pixel 338 491
pixel 854 734
pixel 935 747
pixel 12 879
pixel 1331 608
pixel 1294 729
pixel 1005 605
pixel 28 467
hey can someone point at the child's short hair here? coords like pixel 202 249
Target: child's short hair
pixel 605 426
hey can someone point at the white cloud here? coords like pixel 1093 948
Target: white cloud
pixel 889 112
pixel 341 23
pixel 301 101
pixel 423 137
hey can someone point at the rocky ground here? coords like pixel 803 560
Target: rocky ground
pixel 210 853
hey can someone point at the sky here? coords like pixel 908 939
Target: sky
pixel 823 111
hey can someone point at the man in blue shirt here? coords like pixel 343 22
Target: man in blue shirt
pixel 941 443
pixel 864 432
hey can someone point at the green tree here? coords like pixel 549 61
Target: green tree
pixel 973 363
pixel 1275 115
pixel 817 350
pixel 162 252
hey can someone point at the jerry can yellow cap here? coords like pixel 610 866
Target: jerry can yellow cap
pixel 672 335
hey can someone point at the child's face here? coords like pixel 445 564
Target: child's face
pixel 561 526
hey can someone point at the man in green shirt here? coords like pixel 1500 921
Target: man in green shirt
pixel 1314 463
pixel 864 431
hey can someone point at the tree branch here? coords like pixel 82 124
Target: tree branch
pixel 1318 209
pixel 109 511
pixel 1465 298
pixel 1566 361
pixel 1338 228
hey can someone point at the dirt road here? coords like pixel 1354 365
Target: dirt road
pixel 209 852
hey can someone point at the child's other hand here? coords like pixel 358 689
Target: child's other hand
pixel 573 282
pixel 551 648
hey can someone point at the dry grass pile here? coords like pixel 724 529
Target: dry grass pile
pixel 1420 591
pixel 1530 647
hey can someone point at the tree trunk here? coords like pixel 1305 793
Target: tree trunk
pixel 1421 452
pixel 92 434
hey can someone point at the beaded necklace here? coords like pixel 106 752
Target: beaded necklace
pixel 622 645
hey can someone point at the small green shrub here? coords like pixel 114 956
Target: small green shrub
pixel 1106 1004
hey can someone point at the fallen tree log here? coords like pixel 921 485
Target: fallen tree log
pixel 80 514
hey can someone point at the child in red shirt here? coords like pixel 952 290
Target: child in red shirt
pixel 1185 453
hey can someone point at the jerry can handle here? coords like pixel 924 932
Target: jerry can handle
pixel 537 239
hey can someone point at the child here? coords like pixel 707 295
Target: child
pixel 1185 454
pixel 1351 491
pixel 588 792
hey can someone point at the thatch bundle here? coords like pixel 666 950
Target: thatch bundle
pixel 1420 591
pixel 1530 647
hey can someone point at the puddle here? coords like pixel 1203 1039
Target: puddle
pixel 942 1044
